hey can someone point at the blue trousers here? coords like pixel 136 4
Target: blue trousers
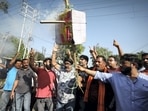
pixel 24 100
pixel 5 99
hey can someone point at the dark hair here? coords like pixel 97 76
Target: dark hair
pixel 144 54
pixel 84 57
pixel 133 58
pixel 24 60
pixel 69 60
pixel 101 56
pixel 115 58
pixel 46 59
pixel 17 60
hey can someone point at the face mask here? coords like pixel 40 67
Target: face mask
pixel 126 70
pixel 48 66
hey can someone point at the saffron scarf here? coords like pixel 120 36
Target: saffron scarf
pixel 101 92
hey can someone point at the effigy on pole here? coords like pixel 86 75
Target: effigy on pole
pixel 70 29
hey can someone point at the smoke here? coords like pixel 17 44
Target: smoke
pixel 53 15
pixel 7 48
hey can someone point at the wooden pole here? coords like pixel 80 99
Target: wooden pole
pixel 78 83
pixel 67 6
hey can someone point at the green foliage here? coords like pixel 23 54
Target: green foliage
pixel 15 41
pixel 103 51
pixel 2 82
pixel 11 48
pixel 10 45
pixel 140 54
pixel 77 49
pixel 39 56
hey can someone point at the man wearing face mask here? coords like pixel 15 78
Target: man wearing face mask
pixel 130 86
pixel 145 63
pixel 46 84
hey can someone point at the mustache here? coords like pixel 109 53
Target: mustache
pixel 26 65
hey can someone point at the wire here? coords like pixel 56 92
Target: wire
pixel 140 47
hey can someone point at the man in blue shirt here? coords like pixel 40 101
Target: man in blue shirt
pixel 130 87
pixel 13 67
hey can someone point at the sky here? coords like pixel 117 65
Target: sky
pixel 125 21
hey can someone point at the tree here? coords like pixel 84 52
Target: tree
pixel 78 49
pixel 4 6
pixel 140 54
pixel 39 56
pixel 103 51
pixel 15 41
pixel 10 46
pixel 97 50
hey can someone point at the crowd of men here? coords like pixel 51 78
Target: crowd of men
pixel 109 85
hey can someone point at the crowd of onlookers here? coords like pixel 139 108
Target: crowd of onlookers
pixel 110 84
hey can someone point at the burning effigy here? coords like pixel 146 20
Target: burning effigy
pixel 70 26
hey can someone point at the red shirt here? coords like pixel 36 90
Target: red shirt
pixel 46 83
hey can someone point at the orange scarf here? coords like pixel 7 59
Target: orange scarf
pixel 101 92
pixel 87 88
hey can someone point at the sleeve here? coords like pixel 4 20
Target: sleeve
pixel 103 76
pixel 56 71
pixel 34 74
pixel 17 76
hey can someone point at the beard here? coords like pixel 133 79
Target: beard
pixel 48 67
pixel 145 65
pixel 25 66
pixel 126 70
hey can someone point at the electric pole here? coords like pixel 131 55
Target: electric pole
pixel 30 13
